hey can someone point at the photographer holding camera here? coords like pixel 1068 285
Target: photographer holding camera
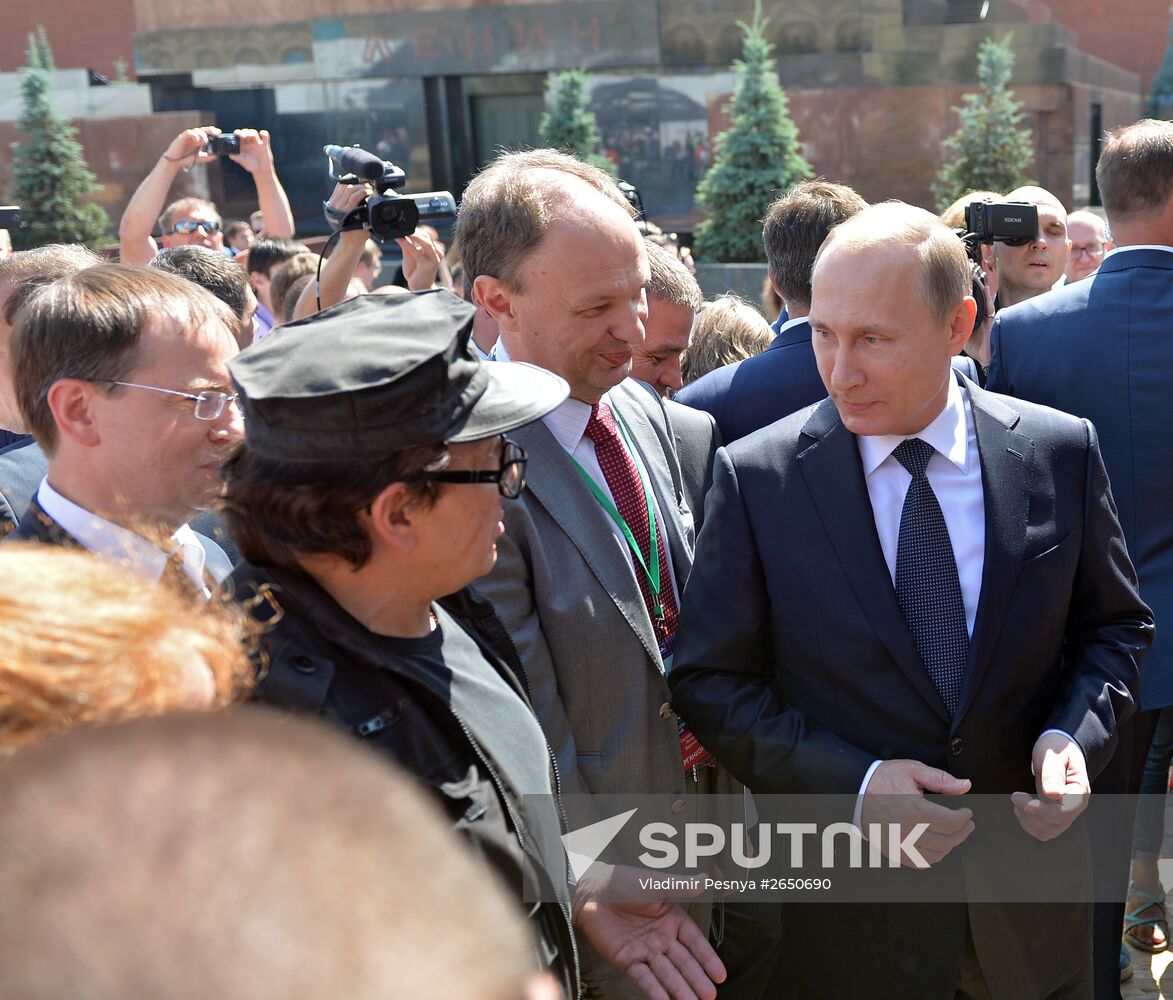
pixel 196 220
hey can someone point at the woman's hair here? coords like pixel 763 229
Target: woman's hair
pixel 726 330
pixel 88 642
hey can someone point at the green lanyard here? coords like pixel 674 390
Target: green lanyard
pixel 652 573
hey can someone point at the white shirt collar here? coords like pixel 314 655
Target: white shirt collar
pixel 568 421
pixel 946 433
pixel 1137 246
pixel 789 323
pixel 115 542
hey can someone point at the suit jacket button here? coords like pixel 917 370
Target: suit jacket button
pixel 304 664
pixel 956 745
pixel 678 806
pixel 665 711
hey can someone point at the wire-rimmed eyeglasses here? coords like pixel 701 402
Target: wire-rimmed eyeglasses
pixel 208 404
pixel 510 477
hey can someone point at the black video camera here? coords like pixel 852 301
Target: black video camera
pixel 223 145
pixel 386 214
pixel 9 217
pixel 1014 223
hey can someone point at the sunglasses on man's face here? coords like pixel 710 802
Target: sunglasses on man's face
pixel 188 226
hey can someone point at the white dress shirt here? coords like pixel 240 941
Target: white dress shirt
pixel 1136 246
pixel 955 474
pixel 568 422
pixel 115 542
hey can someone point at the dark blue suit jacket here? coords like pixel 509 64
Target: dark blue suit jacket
pixel 749 394
pixel 1102 348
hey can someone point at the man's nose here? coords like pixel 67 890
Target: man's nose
pixel 670 375
pixel 845 371
pixel 629 326
pixel 229 426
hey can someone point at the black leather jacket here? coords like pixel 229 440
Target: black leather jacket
pixel 321 661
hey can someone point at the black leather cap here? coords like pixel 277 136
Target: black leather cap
pixel 380 373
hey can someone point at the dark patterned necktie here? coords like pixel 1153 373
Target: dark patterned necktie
pixel 927 585
pixel 628 493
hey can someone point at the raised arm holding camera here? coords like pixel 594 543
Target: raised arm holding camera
pixel 196 220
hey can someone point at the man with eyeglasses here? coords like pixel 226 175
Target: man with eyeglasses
pixel 121 375
pixel 366 498
pixel 1089 242
pixel 1099 348
pixel 195 221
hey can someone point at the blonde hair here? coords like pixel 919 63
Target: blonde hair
pixel 726 330
pixel 954 215
pixel 87 642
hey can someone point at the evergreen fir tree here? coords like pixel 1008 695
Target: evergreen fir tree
pixel 755 160
pixel 571 126
pixel 1161 94
pixel 990 150
pixel 53 185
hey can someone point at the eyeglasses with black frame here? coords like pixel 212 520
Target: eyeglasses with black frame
pixel 208 404
pixel 510 478
pixel 188 226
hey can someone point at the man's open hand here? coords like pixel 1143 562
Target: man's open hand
pixel 895 794
pixel 1062 788
pixel 656 944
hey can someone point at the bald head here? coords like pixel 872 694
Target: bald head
pixel 1033 268
pixel 206 869
pixel 508 206
pixel 1088 238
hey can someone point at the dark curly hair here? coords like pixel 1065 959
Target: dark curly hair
pixel 279 511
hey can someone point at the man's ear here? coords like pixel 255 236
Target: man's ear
pixel 961 324
pixel 989 260
pixel 71 401
pixel 491 295
pixel 393 516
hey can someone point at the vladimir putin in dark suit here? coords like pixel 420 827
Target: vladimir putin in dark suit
pixel 915 585
pixel 749 394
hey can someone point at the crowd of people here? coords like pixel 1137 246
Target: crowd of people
pixel 541 522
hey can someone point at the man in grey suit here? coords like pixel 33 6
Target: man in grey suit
pixel 916 586
pixel 597 548
pixel 673 300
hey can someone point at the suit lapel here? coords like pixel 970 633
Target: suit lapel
pixel 37 526
pixel 1003 454
pixel 833 473
pixel 652 451
pixel 555 484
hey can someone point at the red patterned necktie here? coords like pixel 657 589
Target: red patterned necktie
pixel 627 490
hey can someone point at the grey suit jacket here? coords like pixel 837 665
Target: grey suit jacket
pixel 565 590
pixel 697 440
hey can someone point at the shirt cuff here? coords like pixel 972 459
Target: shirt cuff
pixel 863 787
pixel 1061 732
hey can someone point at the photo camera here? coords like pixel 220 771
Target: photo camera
pixel 9 217
pixel 223 145
pixel 386 214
